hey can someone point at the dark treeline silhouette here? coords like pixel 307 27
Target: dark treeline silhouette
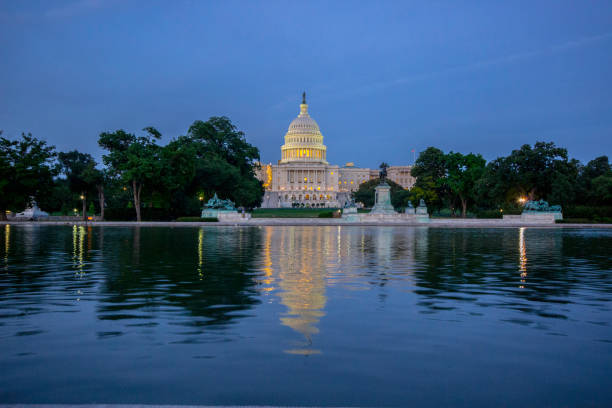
pixel 138 178
pixel 466 182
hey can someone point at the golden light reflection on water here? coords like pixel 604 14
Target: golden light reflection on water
pixel 522 257
pixel 268 280
pixel 7 244
pixel 302 282
pixel 78 248
pixel 200 253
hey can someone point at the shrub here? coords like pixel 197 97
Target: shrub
pixel 489 214
pixel 326 214
pixel 588 212
pixel 197 219
pixel 129 214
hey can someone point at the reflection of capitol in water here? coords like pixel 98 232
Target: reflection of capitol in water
pixel 299 263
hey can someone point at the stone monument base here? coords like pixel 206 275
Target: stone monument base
pixel 382 201
pixel 350 214
pixel 32 213
pixel 225 215
pixel 541 217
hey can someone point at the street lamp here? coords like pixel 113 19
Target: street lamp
pixel 84 207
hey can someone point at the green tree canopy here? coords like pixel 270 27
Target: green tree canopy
pixel 462 175
pixel 539 172
pixel 134 159
pixel 223 162
pixel 26 170
pixel 590 191
pixel 430 172
pixel 81 173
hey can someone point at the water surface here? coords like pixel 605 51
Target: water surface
pixel 368 316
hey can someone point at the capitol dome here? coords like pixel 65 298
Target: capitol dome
pixel 303 140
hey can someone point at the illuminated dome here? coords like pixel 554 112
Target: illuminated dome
pixel 303 141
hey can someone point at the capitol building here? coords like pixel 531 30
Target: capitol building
pixel 304 178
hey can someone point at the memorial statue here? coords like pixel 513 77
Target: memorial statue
pixel 540 206
pixel 350 203
pixel 32 212
pixel 410 209
pixel 383 172
pixel 216 203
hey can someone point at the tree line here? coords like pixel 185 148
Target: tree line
pixel 466 182
pixel 136 173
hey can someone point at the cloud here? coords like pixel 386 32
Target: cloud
pixel 478 65
pixel 68 10
pixel 75 8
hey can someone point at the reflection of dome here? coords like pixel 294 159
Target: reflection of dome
pixel 302 285
pixel 303 141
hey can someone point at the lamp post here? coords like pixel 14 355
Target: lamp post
pixel 84 200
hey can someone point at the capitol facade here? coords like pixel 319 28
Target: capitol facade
pixel 304 178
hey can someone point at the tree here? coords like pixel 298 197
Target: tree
pixel 216 157
pixel 462 175
pixel 596 168
pixel 430 171
pixel 134 159
pixel 97 178
pixel 602 189
pixel 541 172
pixel 59 198
pixel 80 171
pixel 26 170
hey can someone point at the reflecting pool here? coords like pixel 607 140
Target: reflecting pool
pixel 352 316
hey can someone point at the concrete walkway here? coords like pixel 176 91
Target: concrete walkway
pixel 146 406
pixel 433 223
pixel 149 406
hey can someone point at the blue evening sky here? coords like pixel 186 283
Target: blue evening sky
pixel 382 77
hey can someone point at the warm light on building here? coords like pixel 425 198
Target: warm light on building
pixel 304 160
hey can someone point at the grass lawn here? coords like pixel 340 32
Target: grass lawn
pixel 289 212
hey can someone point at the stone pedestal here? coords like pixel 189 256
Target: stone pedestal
pixel 32 213
pixel 349 214
pixel 421 212
pixel 410 210
pixel 225 215
pixel 382 201
pixel 540 211
pixel 541 217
